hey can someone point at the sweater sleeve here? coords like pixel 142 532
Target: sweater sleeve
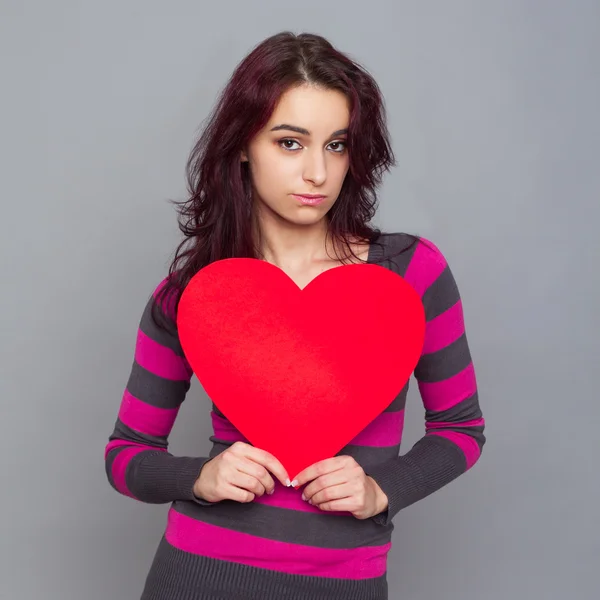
pixel 137 461
pixel 445 374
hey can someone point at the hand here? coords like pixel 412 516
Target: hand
pixel 240 473
pixel 340 484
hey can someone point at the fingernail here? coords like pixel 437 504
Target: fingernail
pixel 294 483
pixel 303 497
pixel 287 483
pixel 270 492
pixel 310 502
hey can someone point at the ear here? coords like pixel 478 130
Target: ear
pixel 243 156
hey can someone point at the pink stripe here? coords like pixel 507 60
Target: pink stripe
pixel 197 537
pixel 118 443
pixel 291 499
pixel 444 329
pixel 145 418
pixel 384 430
pixel 465 442
pixel 160 286
pixel 441 424
pixel 167 305
pixel 224 430
pixel 160 360
pixel 445 394
pixel 425 267
pixel 119 469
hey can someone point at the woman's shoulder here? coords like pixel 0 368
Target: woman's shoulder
pixel 164 296
pixel 423 265
pixel 418 247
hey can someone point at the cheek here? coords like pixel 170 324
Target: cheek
pixel 342 170
pixel 274 175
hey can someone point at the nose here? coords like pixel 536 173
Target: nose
pixel 315 167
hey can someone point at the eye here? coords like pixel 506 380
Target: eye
pixel 340 143
pixel 288 141
pixel 286 144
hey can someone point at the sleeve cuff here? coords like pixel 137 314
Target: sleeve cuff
pixel 195 498
pixel 161 477
pixel 429 465
pixel 400 482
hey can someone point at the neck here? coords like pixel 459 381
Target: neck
pixel 288 245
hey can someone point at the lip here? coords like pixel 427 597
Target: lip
pixel 309 199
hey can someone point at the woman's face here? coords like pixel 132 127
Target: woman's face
pixel 284 162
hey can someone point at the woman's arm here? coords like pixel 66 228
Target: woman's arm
pixel 136 457
pixel 454 427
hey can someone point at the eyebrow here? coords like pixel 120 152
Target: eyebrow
pixel 305 131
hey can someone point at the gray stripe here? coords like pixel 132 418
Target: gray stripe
pixel 155 390
pixel 466 410
pixel 217 411
pixel 399 402
pixel 365 456
pixel 291 526
pixel 376 251
pixel 168 338
pixel 369 456
pixel 218 446
pixel 441 295
pixel 399 249
pixel 179 575
pixel 475 432
pixel 445 363
pixel 123 432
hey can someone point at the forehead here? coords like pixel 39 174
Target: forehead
pixel 319 110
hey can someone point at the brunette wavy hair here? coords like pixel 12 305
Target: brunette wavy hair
pixel 216 219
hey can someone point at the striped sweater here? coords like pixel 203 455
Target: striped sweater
pixel 278 546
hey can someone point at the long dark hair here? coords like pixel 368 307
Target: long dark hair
pixel 216 219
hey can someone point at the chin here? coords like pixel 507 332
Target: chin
pixel 300 215
pixel 309 217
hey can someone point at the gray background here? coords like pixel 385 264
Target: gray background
pixel 493 109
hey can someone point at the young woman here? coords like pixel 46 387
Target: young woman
pixel 286 171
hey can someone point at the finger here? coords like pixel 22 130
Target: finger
pixel 341 505
pixel 237 494
pixel 329 494
pixel 269 462
pixel 320 468
pixel 247 482
pixel 256 470
pixel 338 477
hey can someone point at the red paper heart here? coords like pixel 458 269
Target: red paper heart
pixel 300 372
